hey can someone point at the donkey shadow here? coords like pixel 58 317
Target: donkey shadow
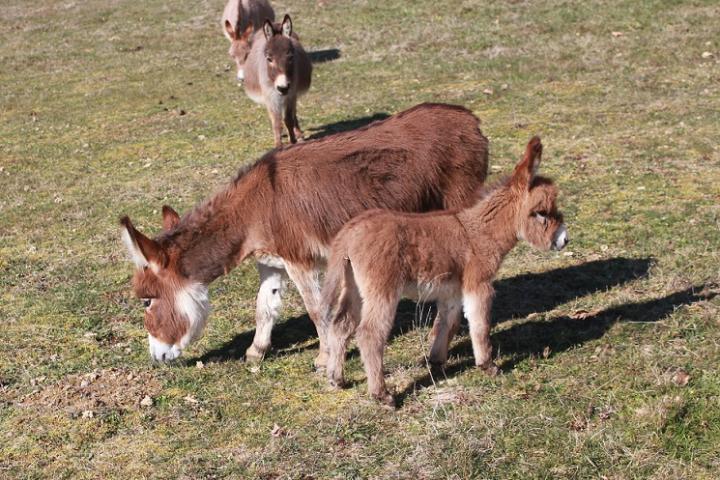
pixel 345 125
pixel 546 338
pixel 515 297
pixel 322 56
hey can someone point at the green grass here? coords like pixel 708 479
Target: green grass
pixel 594 345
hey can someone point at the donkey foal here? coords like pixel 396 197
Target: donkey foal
pixel 277 72
pixel 450 257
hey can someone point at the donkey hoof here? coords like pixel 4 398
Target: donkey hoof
pixel 320 363
pixel 385 399
pixel 336 383
pixel 490 368
pixel 254 355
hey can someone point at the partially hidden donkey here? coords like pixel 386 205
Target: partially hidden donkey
pixel 277 72
pixel 240 19
pixel 285 210
pixel 450 257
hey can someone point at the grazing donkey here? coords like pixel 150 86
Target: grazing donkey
pixel 451 257
pixel 240 19
pixel 285 209
pixel 277 72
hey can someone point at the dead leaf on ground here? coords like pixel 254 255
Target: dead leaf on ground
pixel 278 431
pixel 583 314
pixel 681 378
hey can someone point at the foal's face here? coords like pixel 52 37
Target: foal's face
pixel 239 47
pixel 541 224
pixel 176 308
pixel 280 55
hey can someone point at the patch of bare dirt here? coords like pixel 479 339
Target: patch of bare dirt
pixel 96 392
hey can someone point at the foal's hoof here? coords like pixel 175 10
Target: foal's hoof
pixel 385 399
pixel 253 355
pixel 490 369
pixel 336 383
pixel 320 363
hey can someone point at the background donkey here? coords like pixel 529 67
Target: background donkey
pixel 451 257
pixel 277 71
pixel 287 207
pixel 240 19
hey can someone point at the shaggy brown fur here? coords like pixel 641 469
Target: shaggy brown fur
pixel 451 257
pixel 287 207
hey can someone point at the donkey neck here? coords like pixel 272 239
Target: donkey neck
pixel 217 234
pixel 491 223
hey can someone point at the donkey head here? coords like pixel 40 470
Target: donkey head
pixel 239 46
pixel 279 53
pixel 176 307
pixel 539 221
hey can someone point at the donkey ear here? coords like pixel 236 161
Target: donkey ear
pixel 230 30
pixel 526 170
pixel 170 217
pixel 268 29
pixel 287 26
pixel 143 251
pixel 248 31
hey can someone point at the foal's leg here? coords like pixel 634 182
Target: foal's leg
pixel 290 120
pixel 377 320
pixel 338 336
pixel 268 304
pixel 276 122
pixel 477 303
pixel 446 325
pixel 307 280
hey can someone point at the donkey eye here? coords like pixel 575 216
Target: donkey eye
pixel 269 59
pixel 147 302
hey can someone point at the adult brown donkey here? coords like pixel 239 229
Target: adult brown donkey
pixel 285 210
pixel 240 19
pixel 277 72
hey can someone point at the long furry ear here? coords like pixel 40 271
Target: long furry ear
pixel 143 251
pixel 526 170
pixel 170 217
pixel 268 29
pixel 287 26
pixel 230 30
pixel 248 32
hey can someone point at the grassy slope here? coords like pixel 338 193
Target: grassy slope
pixel 90 128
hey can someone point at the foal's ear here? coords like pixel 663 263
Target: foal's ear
pixel 170 217
pixel 268 29
pixel 230 30
pixel 287 26
pixel 143 250
pixel 248 31
pixel 526 170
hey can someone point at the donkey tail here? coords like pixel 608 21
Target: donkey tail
pixel 339 288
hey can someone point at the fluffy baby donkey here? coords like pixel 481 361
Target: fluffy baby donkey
pixel 450 257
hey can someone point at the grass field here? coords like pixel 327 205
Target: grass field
pixel 609 350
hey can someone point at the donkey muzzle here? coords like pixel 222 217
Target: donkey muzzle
pixel 560 239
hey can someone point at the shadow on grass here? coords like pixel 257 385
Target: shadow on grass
pixel 286 337
pixel 515 297
pixel 322 56
pixel 531 339
pixel 344 125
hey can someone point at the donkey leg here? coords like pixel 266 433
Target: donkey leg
pixel 444 329
pixel 372 335
pixel 338 336
pixel 477 304
pixel 267 311
pixel 276 122
pixel 309 285
pixel 296 127
pixel 290 119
